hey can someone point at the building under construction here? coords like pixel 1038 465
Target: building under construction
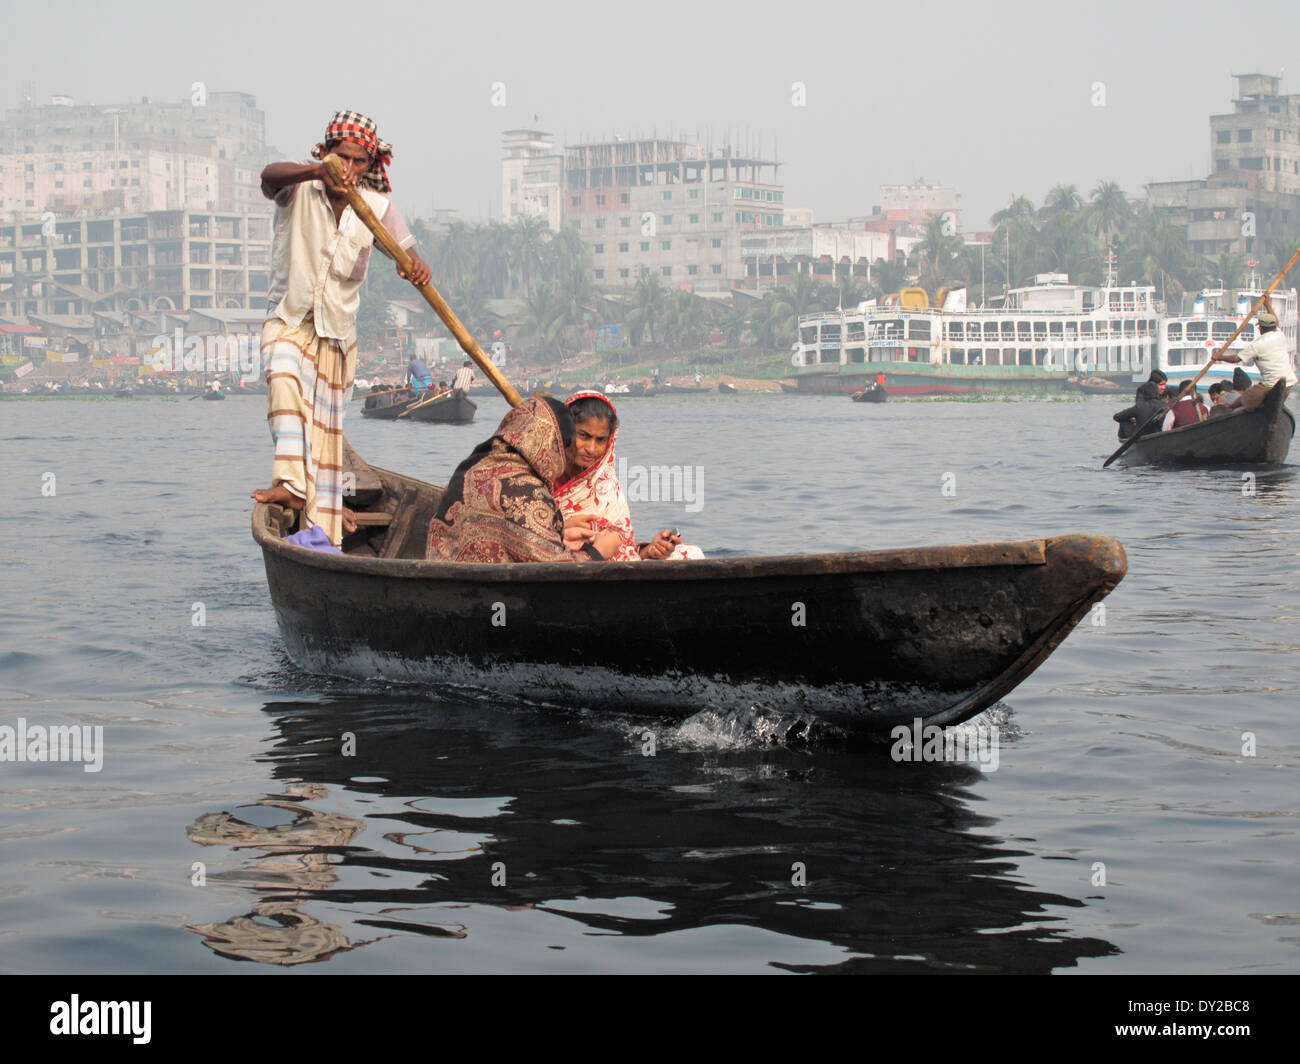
pixel 668 208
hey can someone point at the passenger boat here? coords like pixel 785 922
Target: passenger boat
pixel 865 640
pixel 1187 340
pixel 1243 436
pixel 388 403
pixel 450 407
pixel 411 405
pixel 1042 334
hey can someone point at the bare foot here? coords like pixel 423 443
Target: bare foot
pixel 279 494
pixel 349 520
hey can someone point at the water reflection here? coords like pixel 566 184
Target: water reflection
pixel 442 808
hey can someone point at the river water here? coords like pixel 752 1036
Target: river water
pixel 1141 815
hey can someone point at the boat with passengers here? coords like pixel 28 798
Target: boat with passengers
pixel 1040 338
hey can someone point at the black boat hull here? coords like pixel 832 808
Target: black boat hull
pixel 864 640
pixel 1262 435
pixel 450 408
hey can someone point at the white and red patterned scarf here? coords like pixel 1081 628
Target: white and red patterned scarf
pixel 356 128
pixel 596 491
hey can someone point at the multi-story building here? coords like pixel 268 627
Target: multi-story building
pixel 532 177
pixel 133 207
pixel 669 208
pixel 1251 198
pixel 1262 135
pixel 830 252
pixel 653 206
pixel 202 154
pixel 917 203
pixel 160 260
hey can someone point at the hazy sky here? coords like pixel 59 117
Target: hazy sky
pixel 990 99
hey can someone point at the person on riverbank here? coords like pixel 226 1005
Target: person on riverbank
pixel 1268 352
pixel 590 496
pixel 318 262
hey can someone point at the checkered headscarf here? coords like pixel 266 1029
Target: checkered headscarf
pixel 357 128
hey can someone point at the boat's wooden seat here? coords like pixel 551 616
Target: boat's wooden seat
pixel 408 535
pixel 368 487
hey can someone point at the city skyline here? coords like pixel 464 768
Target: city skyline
pixel 1002 101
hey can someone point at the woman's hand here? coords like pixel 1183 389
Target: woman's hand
pixel 660 547
pixel 606 542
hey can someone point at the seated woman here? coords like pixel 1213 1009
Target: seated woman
pixel 498 506
pixel 590 496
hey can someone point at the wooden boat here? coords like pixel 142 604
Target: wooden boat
pixel 1095 386
pixel 387 404
pixel 450 407
pixel 726 389
pixel 1243 436
pixel 866 640
pixel 211 395
pixel 874 394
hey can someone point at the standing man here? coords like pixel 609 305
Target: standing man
pixel 1270 354
pixel 464 377
pixel 309 347
pixel 417 373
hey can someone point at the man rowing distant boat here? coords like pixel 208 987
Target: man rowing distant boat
pixel 318 262
pixel 1270 354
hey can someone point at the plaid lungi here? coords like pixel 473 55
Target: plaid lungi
pixel 309 381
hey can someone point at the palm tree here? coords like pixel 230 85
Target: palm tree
pixel 1230 270
pixel 938 255
pixel 1015 232
pixel 529 237
pixel 1061 199
pixel 889 276
pixel 1109 211
pixel 648 301
pixel 1278 254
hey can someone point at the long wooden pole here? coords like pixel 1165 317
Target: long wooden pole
pixel 467 343
pixel 1188 385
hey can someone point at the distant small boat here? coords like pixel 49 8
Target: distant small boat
pixel 874 394
pixel 1096 386
pixel 405 403
pixel 450 407
pixel 123 393
pixel 1246 436
pixel 388 404
pixel 213 395
pixel 727 389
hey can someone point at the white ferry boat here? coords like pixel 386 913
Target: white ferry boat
pixel 1044 335
pixel 1188 340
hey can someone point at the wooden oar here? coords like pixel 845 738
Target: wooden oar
pixel 424 402
pixel 431 296
pixel 1187 385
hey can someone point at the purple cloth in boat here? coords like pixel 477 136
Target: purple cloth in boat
pixel 313 539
